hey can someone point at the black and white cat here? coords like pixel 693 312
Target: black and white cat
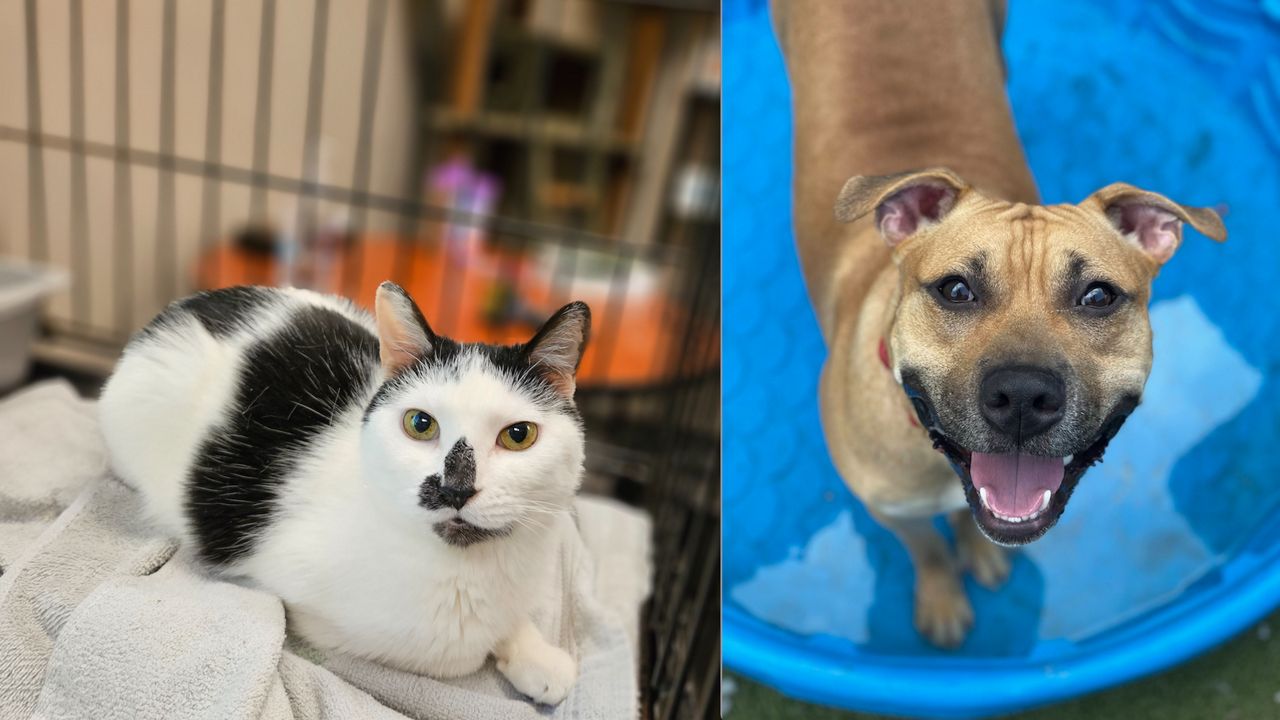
pixel 395 488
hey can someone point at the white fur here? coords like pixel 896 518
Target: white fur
pixel 351 552
pixel 926 505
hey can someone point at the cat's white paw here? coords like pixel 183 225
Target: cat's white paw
pixel 545 673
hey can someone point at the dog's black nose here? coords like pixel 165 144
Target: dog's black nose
pixel 1022 402
pixel 456 497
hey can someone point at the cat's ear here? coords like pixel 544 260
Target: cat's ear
pixel 403 334
pixel 557 348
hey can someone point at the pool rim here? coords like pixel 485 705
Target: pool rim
pixel 966 687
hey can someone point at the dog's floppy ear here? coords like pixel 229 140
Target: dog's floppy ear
pixel 903 203
pixel 1152 221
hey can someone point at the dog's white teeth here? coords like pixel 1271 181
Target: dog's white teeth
pixel 1067 461
pixel 1044 505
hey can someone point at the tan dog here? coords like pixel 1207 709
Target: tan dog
pixel 1019 332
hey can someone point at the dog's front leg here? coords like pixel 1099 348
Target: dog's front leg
pixel 942 611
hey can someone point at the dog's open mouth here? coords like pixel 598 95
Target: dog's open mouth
pixel 1016 497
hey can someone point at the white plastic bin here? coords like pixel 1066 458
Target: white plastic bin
pixel 22 288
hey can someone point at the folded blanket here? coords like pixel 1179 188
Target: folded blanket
pixel 101 617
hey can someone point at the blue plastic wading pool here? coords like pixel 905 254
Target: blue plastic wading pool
pixel 1168 547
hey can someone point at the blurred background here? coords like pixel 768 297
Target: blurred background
pixel 498 158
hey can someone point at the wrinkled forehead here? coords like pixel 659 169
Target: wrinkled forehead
pixel 998 239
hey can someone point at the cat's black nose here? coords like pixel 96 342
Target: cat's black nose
pixel 456 497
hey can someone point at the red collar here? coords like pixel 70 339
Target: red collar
pixel 883 352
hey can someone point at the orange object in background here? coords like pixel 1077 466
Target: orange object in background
pixel 635 338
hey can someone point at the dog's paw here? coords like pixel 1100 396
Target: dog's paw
pixel 943 613
pixel 987 562
pixel 543 672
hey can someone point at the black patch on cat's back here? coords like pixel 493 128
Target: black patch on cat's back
pixel 293 385
pixel 221 312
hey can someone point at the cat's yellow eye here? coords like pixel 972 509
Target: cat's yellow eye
pixel 518 436
pixel 420 426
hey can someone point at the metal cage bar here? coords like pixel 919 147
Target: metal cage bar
pixel 37 207
pixel 123 190
pixel 375 28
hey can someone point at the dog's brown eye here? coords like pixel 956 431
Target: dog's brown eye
pixel 955 290
pixel 1098 295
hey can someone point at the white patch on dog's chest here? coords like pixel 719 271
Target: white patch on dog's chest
pixel 950 497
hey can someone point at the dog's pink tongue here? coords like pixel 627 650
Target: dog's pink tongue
pixel 1015 482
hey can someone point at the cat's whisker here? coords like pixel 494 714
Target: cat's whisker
pixel 525 504
pixel 529 524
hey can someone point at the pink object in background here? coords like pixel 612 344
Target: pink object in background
pixel 473 195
